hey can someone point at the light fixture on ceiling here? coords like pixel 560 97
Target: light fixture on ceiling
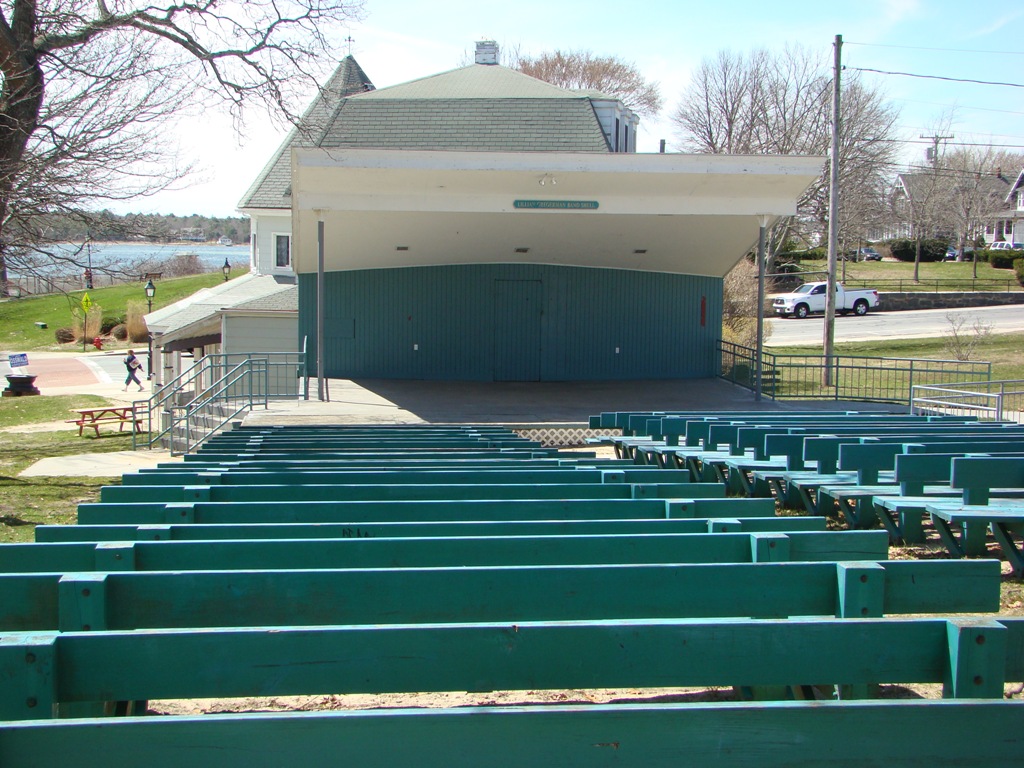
pixel 522 250
pixel 401 247
pixel 640 251
pixel 547 178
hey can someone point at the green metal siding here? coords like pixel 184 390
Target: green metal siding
pixel 440 323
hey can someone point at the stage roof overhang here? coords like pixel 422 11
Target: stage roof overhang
pixel 688 214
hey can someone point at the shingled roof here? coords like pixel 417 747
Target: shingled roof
pixel 272 187
pixel 476 108
pixel 921 186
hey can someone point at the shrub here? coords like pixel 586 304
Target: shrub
pixel 64 335
pixel 182 264
pixel 107 324
pixel 905 249
pixel 1018 269
pixel 136 322
pixel 90 327
pixel 1002 259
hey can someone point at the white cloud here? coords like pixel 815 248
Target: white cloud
pixel 996 25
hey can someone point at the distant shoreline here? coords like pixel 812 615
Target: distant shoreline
pixel 140 243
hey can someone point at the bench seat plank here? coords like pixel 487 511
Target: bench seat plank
pixel 766 735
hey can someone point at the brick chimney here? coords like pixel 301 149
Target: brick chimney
pixel 486 52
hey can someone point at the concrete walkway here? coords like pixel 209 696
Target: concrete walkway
pixel 393 402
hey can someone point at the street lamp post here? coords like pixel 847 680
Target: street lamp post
pixel 150 293
pixel 226 269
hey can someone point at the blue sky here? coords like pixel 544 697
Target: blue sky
pixel 401 40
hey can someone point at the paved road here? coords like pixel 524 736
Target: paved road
pixel 915 324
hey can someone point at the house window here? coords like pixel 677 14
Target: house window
pixel 282 251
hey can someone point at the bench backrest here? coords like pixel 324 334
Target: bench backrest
pixel 627 474
pixel 489 656
pixel 977 476
pixel 311 491
pixel 128 600
pixel 441 552
pixel 391 529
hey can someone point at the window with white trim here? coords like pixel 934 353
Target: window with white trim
pixel 282 251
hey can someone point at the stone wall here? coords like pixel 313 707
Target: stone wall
pixel 894 302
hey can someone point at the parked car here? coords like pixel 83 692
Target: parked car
pixel 1005 246
pixel 952 254
pixel 810 297
pixel 869 254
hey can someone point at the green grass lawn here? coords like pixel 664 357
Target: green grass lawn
pixel 940 275
pixel 1005 351
pixel 18 317
pixel 29 501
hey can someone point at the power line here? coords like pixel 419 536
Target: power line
pixel 961 106
pixel 952 143
pixel 975 134
pixel 935 77
pixel 939 50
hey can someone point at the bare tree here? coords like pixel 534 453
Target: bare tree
pixel 977 190
pixel 739 305
pixel 585 70
pixel 962 340
pixel 976 193
pixel 87 90
pixel 778 103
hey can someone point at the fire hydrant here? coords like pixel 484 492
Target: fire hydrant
pixel 97 342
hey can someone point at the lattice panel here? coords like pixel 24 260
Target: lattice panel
pixel 556 436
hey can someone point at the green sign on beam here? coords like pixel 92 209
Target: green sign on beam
pixel 557 205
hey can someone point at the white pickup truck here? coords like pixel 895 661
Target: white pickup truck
pixel 810 297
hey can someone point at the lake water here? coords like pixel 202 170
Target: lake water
pixel 211 256
pixel 135 257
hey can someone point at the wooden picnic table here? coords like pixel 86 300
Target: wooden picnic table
pixel 110 414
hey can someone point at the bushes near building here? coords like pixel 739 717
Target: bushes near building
pixel 905 249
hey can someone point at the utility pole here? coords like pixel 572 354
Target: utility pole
pixel 833 220
pixel 935 147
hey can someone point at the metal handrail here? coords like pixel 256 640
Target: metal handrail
pixel 158 401
pixel 852 377
pixel 202 409
pixel 989 397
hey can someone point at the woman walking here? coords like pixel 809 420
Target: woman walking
pixel 132 363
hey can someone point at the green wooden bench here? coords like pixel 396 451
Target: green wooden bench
pixel 824 451
pixel 911 734
pixel 365 454
pixel 130 600
pixel 971 658
pixel 385 476
pixel 251 510
pixel 391 529
pixel 962 529
pixel 443 552
pixel 325 442
pixel 976 477
pixel 902 514
pixel 854 501
pixel 375 463
pixel 310 491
